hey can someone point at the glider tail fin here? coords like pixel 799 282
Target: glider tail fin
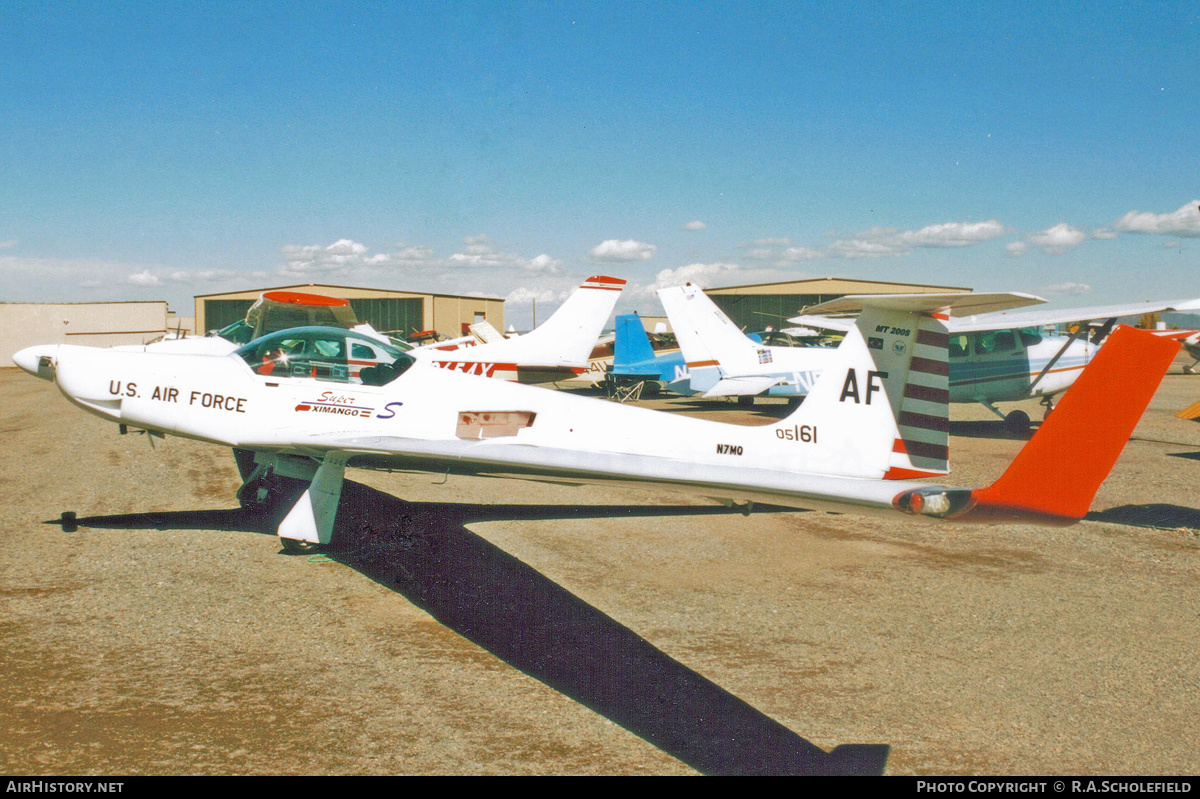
pixel 1056 475
pixel 881 409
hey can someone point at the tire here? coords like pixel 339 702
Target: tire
pixel 1016 423
pixel 293 547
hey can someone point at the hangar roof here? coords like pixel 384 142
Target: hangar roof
pixel 833 285
pixel 344 291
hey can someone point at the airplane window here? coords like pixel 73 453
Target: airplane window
pixel 320 353
pixel 1030 336
pixel 1005 341
pixel 958 346
pixel 986 342
pixel 361 352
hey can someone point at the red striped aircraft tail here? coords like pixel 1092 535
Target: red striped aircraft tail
pixel 880 409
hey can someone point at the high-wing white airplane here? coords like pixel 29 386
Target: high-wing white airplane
pixel 873 425
pixel 1003 356
pixel 724 361
pixel 557 349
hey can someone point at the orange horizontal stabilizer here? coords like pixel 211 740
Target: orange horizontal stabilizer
pixel 1190 412
pixel 1056 475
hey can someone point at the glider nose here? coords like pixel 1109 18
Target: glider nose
pixel 39 361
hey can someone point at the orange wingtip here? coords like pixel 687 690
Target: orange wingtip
pixel 1056 475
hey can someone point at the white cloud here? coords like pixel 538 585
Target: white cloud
pixel 345 256
pixel 484 255
pixel 8 244
pixel 614 250
pixel 695 225
pixel 1058 239
pixel 1104 233
pixel 762 254
pixel 700 274
pixel 543 263
pixel 769 242
pixel 953 234
pixel 1067 288
pixel 341 256
pixel 204 275
pixel 794 254
pixel 144 278
pixel 1183 222
pixel 1016 249
pixel 525 294
pixel 890 242
pixel 867 248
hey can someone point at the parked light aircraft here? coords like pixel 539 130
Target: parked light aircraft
pixel 636 363
pixel 873 425
pixel 724 361
pixel 996 355
pixel 557 349
pixel 1004 356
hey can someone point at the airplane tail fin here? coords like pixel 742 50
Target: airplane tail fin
pixel 881 408
pixel 707 337
pixel 569 335
pixel 1056 475
pixel 631 345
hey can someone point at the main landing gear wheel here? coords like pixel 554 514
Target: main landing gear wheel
pixel 294 546
pixel 746 401
pixel 1016 423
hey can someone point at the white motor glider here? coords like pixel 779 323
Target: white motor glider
pixel 558 349
pixel 874 423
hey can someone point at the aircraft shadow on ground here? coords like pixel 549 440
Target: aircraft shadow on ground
pixel 1159 516
pixel 989 429
pixel 424 552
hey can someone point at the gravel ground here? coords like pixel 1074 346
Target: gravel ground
pixel 475 626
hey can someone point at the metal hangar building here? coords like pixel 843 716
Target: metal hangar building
pixel 401 313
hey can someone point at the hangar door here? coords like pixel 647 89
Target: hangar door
pixel 752 312
pixel 399 316
pixel 221 313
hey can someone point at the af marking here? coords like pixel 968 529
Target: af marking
pixel 850 387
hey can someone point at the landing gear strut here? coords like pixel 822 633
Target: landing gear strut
pixel 1016 423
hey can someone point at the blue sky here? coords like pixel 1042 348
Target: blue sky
pixel 163 150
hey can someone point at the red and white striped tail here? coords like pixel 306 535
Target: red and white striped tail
pixel 603 282
pixel 923 418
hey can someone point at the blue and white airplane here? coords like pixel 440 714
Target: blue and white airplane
pixel 635 361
